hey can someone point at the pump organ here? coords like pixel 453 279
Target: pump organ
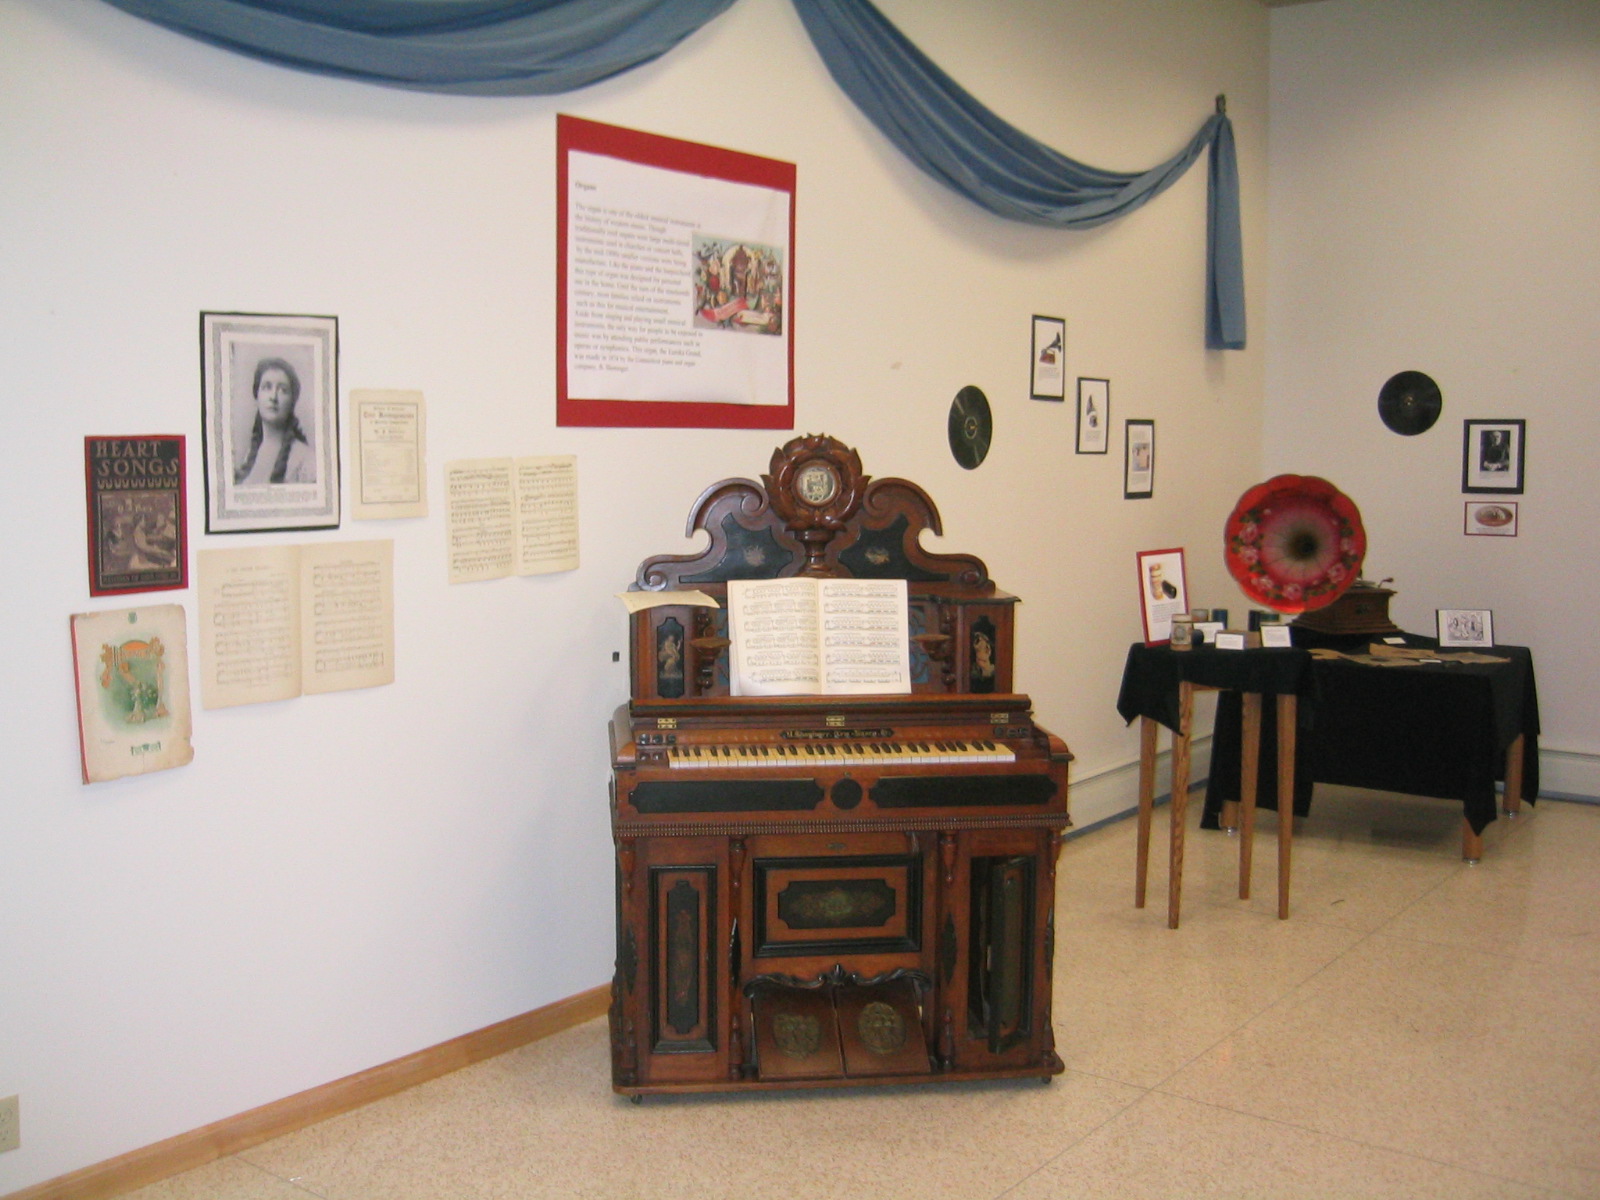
pixel 818 890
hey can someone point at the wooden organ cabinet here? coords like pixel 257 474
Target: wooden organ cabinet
pixel 822 890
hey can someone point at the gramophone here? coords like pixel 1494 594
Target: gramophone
pixel 1295 544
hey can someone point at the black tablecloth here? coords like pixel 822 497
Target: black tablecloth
pixel 1427 730
pixel 1152 674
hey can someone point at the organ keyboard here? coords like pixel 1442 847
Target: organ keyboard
pixel 799 754
pixel 821 890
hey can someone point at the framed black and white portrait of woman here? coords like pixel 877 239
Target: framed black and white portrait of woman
pixel 270 421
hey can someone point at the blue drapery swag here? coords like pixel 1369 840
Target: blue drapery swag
pixel 543 47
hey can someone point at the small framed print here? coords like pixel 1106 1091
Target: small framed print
pixel 1049 359
pixel 1094 416
pixel 1139 469
pixel 1466 627
pixel 1163 593
pixel 1492 456
pixel 1491 518
pixel 270 421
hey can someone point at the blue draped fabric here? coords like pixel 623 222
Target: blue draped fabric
pixel 939 126
pixel 541 47
pixel 471 47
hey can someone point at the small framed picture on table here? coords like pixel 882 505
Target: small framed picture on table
pixel 1163 594
pixel 1466 627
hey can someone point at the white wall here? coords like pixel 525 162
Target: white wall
pixel 340 880
pixel 1435 168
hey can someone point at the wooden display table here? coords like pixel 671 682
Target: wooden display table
pixel 1158 687
pixel 1447 730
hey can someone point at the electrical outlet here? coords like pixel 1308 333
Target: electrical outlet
pixel 10 1125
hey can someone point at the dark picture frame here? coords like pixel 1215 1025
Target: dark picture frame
pixel 1094 416
pixel 1138 459
pixel 267 469
pixel 1047 359
pixel 1493 453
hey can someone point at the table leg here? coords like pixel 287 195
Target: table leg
pixel 1288 711
pixel 1147 793
pixel 1471 843
pixel 1249 774
pixel 1514 777
pixel 1180 801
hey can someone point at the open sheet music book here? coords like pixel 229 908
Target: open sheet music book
pixel 818 637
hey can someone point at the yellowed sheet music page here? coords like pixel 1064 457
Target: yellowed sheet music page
pixel 390 450
pixel 773 630
pixel 249 625
pixel 639 601
pixel 865 636
pixel 547 514
pixel 347 603
pixel 482 519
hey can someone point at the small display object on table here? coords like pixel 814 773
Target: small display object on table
pixel 1163 594
pixel 1473 627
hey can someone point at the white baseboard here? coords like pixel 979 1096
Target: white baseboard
pixel 1569 775
pixel 1112 794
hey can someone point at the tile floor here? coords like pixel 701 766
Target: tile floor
pixel 1417 1028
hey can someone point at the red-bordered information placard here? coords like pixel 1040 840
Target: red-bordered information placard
pixel 675 282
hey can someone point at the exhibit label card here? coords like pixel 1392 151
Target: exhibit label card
pixel 132 669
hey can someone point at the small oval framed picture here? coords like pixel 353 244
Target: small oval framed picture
pixel 1491 518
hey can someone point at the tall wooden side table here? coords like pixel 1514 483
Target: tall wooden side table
pixel 1158 687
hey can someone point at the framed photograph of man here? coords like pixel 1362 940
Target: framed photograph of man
pixel 1094 416
pixel 270 421
pixel 1492 456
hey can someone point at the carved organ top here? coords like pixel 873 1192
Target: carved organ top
pixel 816 513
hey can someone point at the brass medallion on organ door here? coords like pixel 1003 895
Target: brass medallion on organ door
pixel 796 1034
pixel 882 1030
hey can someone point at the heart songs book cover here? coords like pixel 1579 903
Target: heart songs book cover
pixel 138 537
